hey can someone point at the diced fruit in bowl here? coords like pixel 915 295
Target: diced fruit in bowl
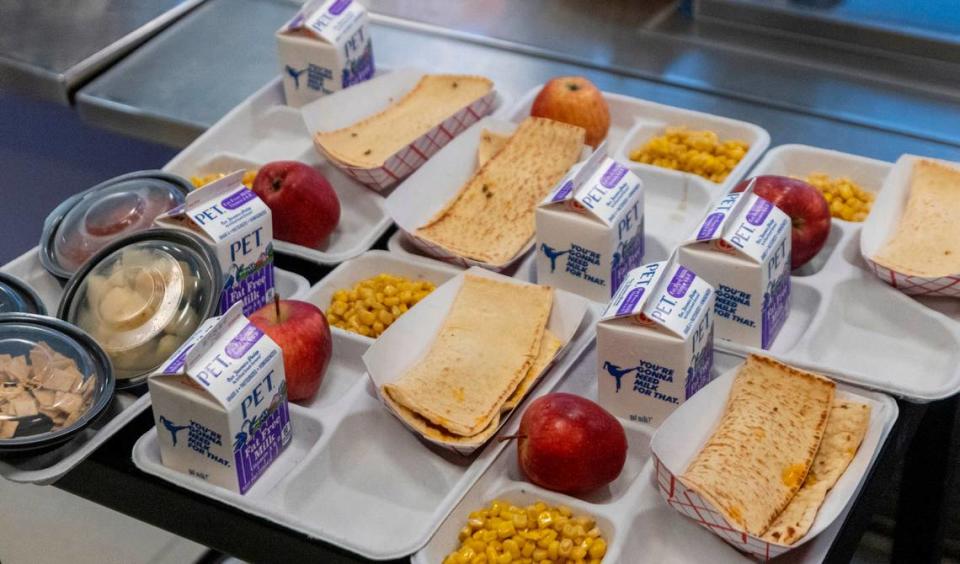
pixel 574 100
pixel 300 330
pixel 304 205
pixel 569 444
pixel 807 208
pixel 697 152
pixel 538 532
pixel 372 305
pixel 201 181
pixel 848 201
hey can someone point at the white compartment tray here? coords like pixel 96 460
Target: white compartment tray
pixel 674 202
pixel 49 466
pixel 630 513
pixel 263 129
pixel 844 319
pixel 355 476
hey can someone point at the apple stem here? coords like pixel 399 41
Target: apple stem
pixel 510 437
pixel 276 304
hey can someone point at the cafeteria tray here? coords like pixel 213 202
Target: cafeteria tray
pixel 843 318
pixel 49 466
pixel 354 476
pixel 630 513
pixel 674 202
pixel 262 129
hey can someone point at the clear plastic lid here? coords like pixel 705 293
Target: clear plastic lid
pixel 48 379
pixel 142 301
pixel 102 215
pixel 16 297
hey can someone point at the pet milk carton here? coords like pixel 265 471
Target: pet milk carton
pixel 590 228
pixel 655 342
pixel 239 226
pixel 742 247
pixel 220 403
pixel 324 48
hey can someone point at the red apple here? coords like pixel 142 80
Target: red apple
pixel 304 206
pixel 569 444
pixel 574 100
pixel 807 208
pixel 300 330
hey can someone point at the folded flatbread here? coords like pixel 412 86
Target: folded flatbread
pixel 549 346
pixel 491 218
pixel 760 453
pixel 485 347
pixel 845 430
pixel 927 239
pixel 370 142
pixel 490 145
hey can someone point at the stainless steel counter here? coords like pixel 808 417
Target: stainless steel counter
pixel 49 48
pixel 181 82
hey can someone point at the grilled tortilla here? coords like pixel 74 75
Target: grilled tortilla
pixel 760 453
pixel 485 347
pixel 490 145
pixel 845 430
pixel 370 142
pixel 927 239
pixel 491 218
pixel 549 346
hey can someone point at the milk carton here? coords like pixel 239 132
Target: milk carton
pixel 220 403
pixel 324 48
pixel 655 342
pixel 239 226
pixel 590 229
pixel 742 247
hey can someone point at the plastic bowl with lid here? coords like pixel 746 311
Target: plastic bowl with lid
pixel 142 296
pixel 54 381
pixel 85 223
pixel 17 297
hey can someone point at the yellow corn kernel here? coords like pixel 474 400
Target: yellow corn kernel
pixel 544 519
pixel 578 553
pixel 564 547
pixel 598 549
pixel 539 555
pixel 505 558
pixel 510 546
pixel 528 549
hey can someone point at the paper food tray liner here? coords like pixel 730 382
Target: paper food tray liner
pixel 883 220
pixel 412 334
pixel 428 190
pixel 408 159
pixel 685 431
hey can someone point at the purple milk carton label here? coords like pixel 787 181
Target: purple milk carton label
pixel 681 282
pixel 241 343
pixel 237 199
pixel 262 439
pixel 252 284
pixel 629 255
pixel 776 306
pixel 338 7
pixel 178 362
pixel 564 191
pixel 630 301
pixel 759 211
pixel 700 371
pixel 710 225
pixel 613 175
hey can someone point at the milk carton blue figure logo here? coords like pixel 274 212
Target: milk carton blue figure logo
pixel 552 254
pixel 172 428
pixel 295 75
pixel 617 372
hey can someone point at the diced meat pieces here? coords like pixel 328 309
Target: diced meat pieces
pixel 49 384
pixel 8 429
pixel 23 405
pixel 68 403
pixel 62 380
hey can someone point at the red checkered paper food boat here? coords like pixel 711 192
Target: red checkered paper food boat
pixel 402 163
pixel 883 221
pixel 679 439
